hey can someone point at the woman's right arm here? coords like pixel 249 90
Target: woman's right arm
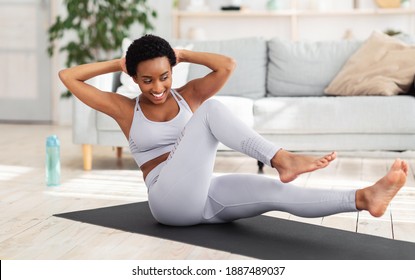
pixel 107 102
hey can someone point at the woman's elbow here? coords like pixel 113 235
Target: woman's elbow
pixel 228 66
pixel 63 75
pixel 67 79
pixel 231 65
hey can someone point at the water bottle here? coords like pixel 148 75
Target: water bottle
pixel 53 163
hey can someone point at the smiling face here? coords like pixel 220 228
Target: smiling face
pixel 154 79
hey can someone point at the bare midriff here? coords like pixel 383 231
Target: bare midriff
pixel 151 164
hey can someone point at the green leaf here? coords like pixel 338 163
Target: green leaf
pixel 66 94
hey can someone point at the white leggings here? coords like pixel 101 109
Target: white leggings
pixel 183 190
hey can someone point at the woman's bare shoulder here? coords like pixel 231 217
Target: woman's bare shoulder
pixel 189 96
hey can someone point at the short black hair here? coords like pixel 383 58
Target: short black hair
pixel 145 48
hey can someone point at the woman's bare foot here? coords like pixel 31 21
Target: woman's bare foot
pixel 377 197
pixel 290 165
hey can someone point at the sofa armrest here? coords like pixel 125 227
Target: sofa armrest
pixel 84 124
pixel 84 118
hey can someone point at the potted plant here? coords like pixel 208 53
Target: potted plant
pixel 99 27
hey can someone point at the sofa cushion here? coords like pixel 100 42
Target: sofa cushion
pixel 383 65
pixel 241 107
pixel 248 79
pixel 305 68
pixel 325 115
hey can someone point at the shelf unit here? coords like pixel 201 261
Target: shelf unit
pixel 293 18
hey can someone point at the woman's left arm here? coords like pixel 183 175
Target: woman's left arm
pixel 198 90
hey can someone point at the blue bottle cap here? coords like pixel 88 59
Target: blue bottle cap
pixel 52 140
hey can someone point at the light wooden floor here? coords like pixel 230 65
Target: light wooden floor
pixel 28 229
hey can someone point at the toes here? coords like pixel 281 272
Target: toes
pixel 322 161
pixel 331 157
pixel 404 167
pixel 397 164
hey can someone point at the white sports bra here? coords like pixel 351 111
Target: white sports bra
pixel 150 139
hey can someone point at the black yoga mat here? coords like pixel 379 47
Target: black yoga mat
pixel 260 237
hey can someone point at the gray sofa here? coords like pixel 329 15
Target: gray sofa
pixel 278 89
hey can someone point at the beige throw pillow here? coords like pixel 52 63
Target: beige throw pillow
pixel 383 65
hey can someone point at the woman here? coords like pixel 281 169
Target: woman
pixel 173 135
